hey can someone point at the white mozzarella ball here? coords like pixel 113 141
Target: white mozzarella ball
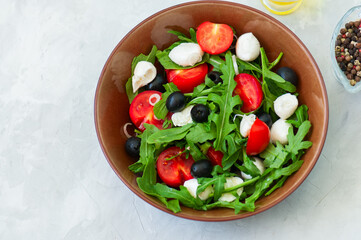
pixel 227 197
pixel 247 47
pixel 205 194
pixel 186 54
pixel 279 131
pixel 192 185
pixel 259 164
pixel 231 182
pixel 285 105
pixel 144 73
pixel 183 117
pixel 246 124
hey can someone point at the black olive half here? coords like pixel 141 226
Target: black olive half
pixel 132 146
pixel 215 77
pixel 175 102
pixel 266 118
pixel 288 75
pixel 199 113
pixel 157 84
pixel 201 168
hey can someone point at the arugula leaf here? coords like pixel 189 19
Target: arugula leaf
pixel 269 76
pixel 268 179
pixel 220 204
pixel 226 102
pixel 247 66
pixel 200 134
pixel 183 37
pixel 182 195
pixel 277 185
pixel 198 89
pixel 269 98
pixel 299 116
pixel 147 184
pixel 194 150
pixel 295 142
pixel 170 134
pixel 193 34
pixel 251 169
pixel 198 100
pixel 239 206
pixel 146 150
pixel 217 182
pixel 216 61
pixel 136 167
pixel 231 149
pixel 201 90
pixel 141 57
pixel 274 157
pixel 275 62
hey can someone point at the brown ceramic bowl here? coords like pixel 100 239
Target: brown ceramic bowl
pixel 111 103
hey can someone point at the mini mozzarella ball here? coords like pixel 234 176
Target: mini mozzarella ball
pixel 259 164
pixel 192 185
pixel 186 54
pixel 279 131
pixel 231 182
pixel 285 105
pixel 183 117
pixel 144 73
pixel 246 124
pixel 247 47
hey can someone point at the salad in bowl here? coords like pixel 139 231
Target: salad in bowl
pixel 215 125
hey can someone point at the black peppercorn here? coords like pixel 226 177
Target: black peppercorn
pixel 343 66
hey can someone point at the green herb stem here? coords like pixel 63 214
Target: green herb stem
pixel 246 183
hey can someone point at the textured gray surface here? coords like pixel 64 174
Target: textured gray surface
pixel 54 180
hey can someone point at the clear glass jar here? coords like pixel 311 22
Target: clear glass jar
pixel 354 14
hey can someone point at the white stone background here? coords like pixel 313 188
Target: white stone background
pixel 55 182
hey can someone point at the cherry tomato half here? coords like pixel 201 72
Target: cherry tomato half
pixel 214 38
pixel 141 109
pixel 250 91
pixel 187 79
pixel 215 156
pixel 175 171
pixel 258 138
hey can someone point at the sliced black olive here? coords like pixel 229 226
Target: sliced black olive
pixel 215 77
pixel 199 113
pixel 157 84
pixel 266 118
pixel 288 74
pixel 201 168
pixel 175 102
pixel 132 146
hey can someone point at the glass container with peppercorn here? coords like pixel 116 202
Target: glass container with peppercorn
pixel 346 50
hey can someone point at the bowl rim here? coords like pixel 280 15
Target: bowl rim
pixel 235 216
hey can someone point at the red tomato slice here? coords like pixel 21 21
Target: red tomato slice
pixel 141 111
pixel 176 171
pixel 258 138
pixel 215 156
pixel 214 38
pixel 250 91
pixel 187 79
